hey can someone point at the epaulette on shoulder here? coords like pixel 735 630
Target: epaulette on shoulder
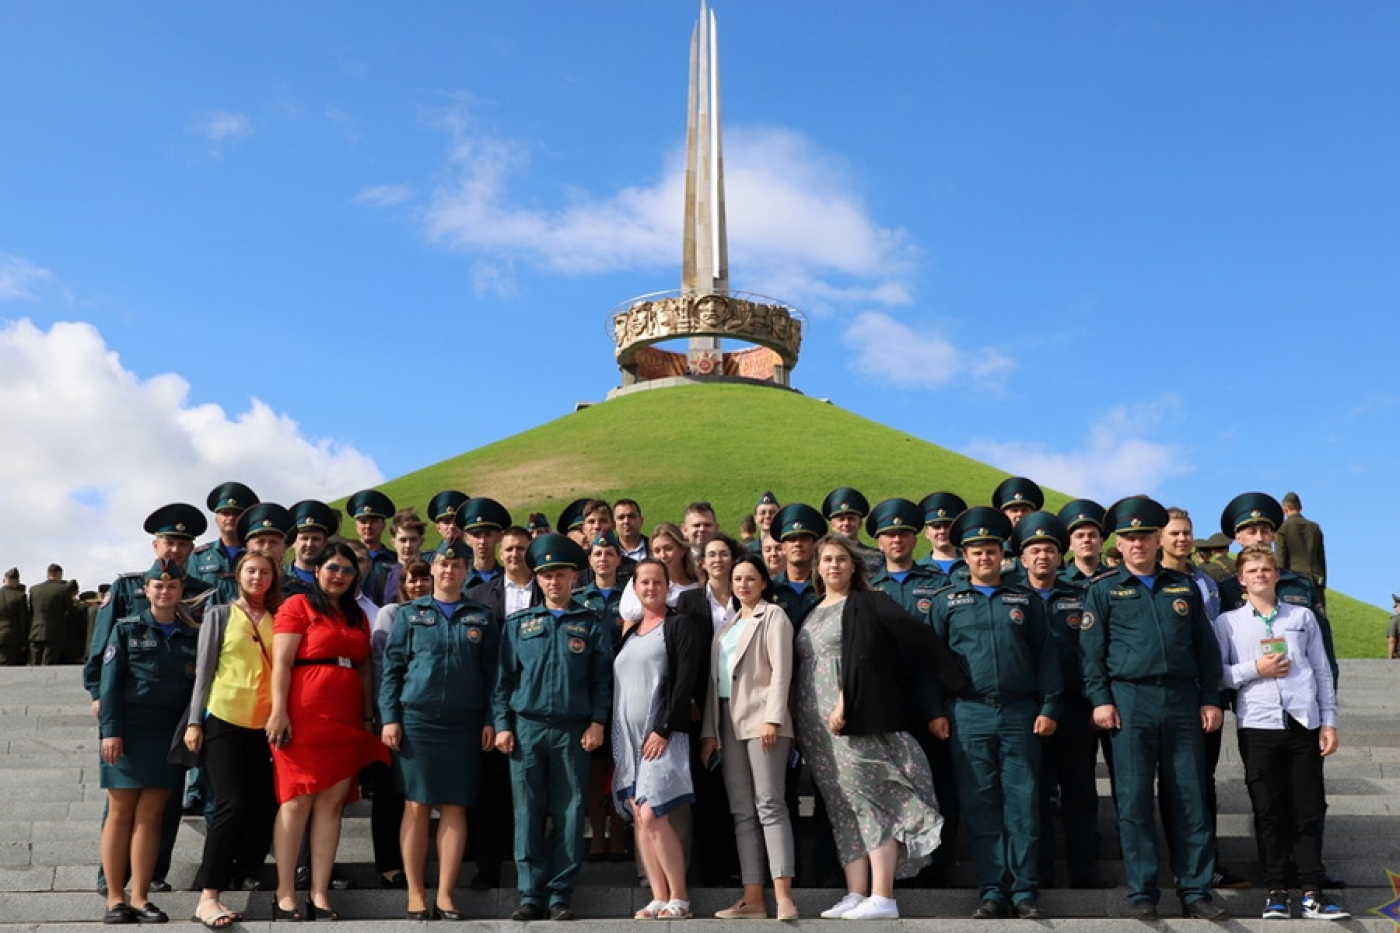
pixel 946 587
pixel 1106 572
pixel 206 546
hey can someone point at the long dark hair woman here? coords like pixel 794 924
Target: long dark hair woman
pixel 319 727
pixel 228 720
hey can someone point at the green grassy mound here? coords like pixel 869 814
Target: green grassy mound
pixel 727 444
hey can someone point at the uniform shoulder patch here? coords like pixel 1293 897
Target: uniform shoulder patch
pixel 109 654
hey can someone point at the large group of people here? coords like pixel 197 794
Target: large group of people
pixel 535 685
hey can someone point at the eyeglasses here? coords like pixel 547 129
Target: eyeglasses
pixel 341 569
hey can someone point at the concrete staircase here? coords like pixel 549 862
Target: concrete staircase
pixel 50 805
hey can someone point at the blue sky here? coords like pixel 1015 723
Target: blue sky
pixel 1118 247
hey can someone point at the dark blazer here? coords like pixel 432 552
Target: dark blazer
pixel 1299 548
pixel 694 605
pixel 679 686
pixel 492 594
pixel 879 641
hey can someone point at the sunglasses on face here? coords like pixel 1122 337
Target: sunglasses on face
pixel 341 569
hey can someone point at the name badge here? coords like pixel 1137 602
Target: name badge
pixel 1273 646
pixel 1010 600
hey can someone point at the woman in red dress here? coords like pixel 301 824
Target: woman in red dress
pixel 322 701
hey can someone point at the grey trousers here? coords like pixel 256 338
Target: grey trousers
pixel 754 779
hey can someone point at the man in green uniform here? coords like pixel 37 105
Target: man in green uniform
pixel 763 512
pixel 1253 517
pixel 213 562
pixel 1083 520
pixel 442 511
pixel 1299 544
pixel 552 701
pixel 371 510
pixel 798 527
pixel 1213 555
pixel 49 604
pixel 14 620
pixel 482 521
pixel 1152 673
pixel 941 509
pixel 313 522
pixel 999 635
pixel 1067 758
pixel 845 508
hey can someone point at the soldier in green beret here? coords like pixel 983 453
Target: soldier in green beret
pixel 798 527
pixel 213 561
pixel 552 700
pixel 1001 639
pixel 1152 673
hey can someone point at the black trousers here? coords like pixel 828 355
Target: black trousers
pixel 385 817
pixel 238 765
pixel 1283 773
pixel 1067 763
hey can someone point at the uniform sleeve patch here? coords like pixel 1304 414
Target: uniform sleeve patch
pixel 1181 607
pixel 1086 621
pixel 109 655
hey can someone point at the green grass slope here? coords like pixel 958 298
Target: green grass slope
pixel 727 444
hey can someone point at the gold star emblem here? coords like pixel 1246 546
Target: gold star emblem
pixel 179 526
pixel 982 532
pixel 233 503
pixel 1016 498
pixel 942 513
pixel 267 523
pixel 549 557
pixel 1254 514
pixel 1135 522
pixel 898 521
pixel 796 526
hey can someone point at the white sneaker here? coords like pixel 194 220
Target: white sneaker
pixel 844 906
pixel 874 908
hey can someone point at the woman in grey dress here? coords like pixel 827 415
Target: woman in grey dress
pixel 654 677
pixel 849 709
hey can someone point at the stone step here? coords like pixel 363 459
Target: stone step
pixel 943 910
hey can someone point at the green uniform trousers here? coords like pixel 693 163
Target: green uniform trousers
pixel 996 757
pixel 549 769
pixel 1162 729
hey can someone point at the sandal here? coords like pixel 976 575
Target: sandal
pixel 651 911
pixel 675 910
pixel 215 916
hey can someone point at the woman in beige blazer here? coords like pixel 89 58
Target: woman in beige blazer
pixel 748 726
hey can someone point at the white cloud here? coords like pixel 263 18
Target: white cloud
pixel 798 229
pixel 890 351
pixel 20 278
pixel 92 448
pixel 384 195
pixel 220 125
pixel 1117 458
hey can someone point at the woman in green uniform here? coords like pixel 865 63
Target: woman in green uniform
pixel 147 678
pixel 439 668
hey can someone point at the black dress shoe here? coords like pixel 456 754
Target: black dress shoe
pixel 159 886
pixel 150 914
pixel 1146 911
pixel 312 912
pixel 1205 910
pixel 990 910
pixel 397 881
pixel 445 914
pixel 527 912
pixel 561 912
pixel 1029 910
pixel 119 913
pixel 423 915
pixel 279 914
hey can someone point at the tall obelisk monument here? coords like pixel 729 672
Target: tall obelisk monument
pixel 704 309
pixel 705 259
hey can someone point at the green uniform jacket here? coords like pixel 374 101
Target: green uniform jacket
pixel 211 563
pixel 127 597
pixel 438 669
pixel 1002 643
pixel 145 675
pixel 1130 633
pixel 915 591
pixel 559 669
pixel 1064 609
pixel 14 616
pixel 1299 548
pixel 49 603
pixel 795 604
